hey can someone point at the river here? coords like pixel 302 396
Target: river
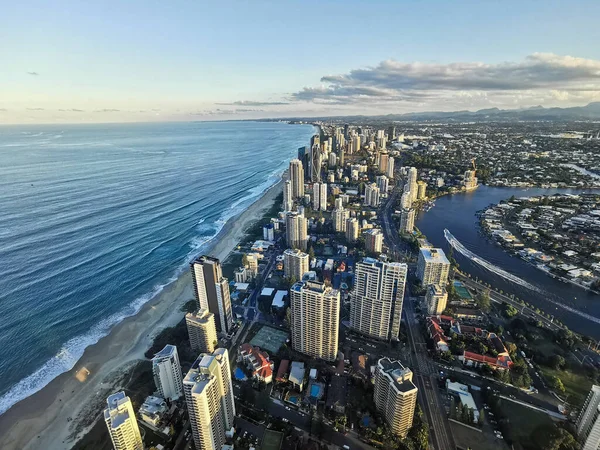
pixel 574 306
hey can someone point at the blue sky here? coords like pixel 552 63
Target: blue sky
pixel 74 61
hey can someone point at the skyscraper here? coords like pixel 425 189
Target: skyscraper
pixel 372 195
pixel 436 298
pixel 209 398
pixel 433 266
pixel 390 168
pixel 407 220
pixel 315 319
pixel 288 198
pixel 295 264
pixel 377 297
pixel 352 229
pixel 121 423
pixel 201 330
pixel 315 163
pixel 406 200
pixel 340 216
pixel 296 230
pixel 384 160
pixel 395 395
pixel 412 183
pixel 470 180
pixel 421 190
pixel 588 422
pixel 167 373
pixel 332 160
pixel 296 175
pixel 320 196
pixel 374 240
pixel 382 183
pixel 212 291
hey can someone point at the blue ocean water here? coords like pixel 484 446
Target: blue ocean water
pixel 96 219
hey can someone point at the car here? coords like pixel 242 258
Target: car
pixel 288 408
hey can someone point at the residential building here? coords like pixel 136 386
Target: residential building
pixel 374 240
pixel 466 399
pixel 406 200
pixel 412 183
pixel 470 180
pixel 421 190
pixel 320 196
pixel 212 291
pixel 340 216
pixel 384 160
pixel 315 163
pixel 167 373
pixel 296 175
pixel 407 220
pixel 433 266
pixel 202 330
pixel 372 195
pixel 382 183
pixel 588 422
pixel 390 168
pixel 209 399
pixel 315 311
pixel 152 410
pixel 377 297
pixel 296 230
pixel 395 395
pixel 352 229
pixel 121 423
pixel 436 298
pixel 332 160
pixel 295 264
pixel 269 232
pixel 288 197
pixel 257 361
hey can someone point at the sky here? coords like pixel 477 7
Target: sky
pixel 72 61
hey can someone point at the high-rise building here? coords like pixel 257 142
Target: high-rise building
pixel 470 181
pixel 315 163
pixel 374 240
pixel 372 195
pixel 121 423
pixel 406 200
pixel 167 373
pixel 377 298
pixel 588 422
pixel 340 216
pixel 352 229
pixel 355 144
pixel 412 182
pixel 421 190
pixel 209 398
pixel 395 395
pixel 436 298
pixel 288 198
pixel 391 133
pixel 384 160
pixel 202 330
pixel 296 230
pixel 407 220
pixel 320 196
pixel 382 183
pixel 433 266
pixel 296 175
pixel 332 160
pixel 212 291
pixel 315 319
pixel 390 168
pixel 295 264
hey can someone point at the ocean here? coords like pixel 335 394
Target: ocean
pixel 96 219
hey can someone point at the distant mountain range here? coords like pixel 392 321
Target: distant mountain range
pixel 588 112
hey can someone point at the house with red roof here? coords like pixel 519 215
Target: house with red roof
pixel 257 361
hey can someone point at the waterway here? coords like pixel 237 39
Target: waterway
pixel 575 307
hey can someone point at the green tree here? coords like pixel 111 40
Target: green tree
pixel 483 300
pixel 557 362
pixel 557 384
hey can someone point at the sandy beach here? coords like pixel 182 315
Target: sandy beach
pixel 48 418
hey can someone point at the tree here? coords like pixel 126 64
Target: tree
pixel 557 362
pixel 311 252
pixel 483 300
pixel 510 311
pixel 557 384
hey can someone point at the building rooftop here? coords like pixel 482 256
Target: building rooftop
pixel 297 372
pixel 434 255
pixel 400 376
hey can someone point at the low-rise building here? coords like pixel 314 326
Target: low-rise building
pixel 257 361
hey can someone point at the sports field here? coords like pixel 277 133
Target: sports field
pixel 269 339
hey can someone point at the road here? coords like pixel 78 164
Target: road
pixel 425 373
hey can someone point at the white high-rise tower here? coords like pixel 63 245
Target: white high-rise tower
pixel 121 423
pixel 167 373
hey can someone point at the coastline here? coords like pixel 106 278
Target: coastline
pixel 43 420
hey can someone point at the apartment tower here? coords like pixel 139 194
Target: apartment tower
pixel 121 423
pixel 167 373
pixel 202 330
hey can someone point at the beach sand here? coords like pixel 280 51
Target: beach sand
pixel 48 419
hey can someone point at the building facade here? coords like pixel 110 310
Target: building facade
pixel 377 298
pixel 295 264
pixel 588 422
pixel 436 299
pixel 122 424
pixel 433 266
pixel 315 319
pixel 288 198
pixel 209 398
pixel 167 373
pixel 202 330
pixel 374 240
pixel 407 220
pixel 352 229
pixel 212 291
pixel 296 175
pixel 395 395
pixel 296 230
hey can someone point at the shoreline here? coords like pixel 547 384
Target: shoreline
pixel 42 420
